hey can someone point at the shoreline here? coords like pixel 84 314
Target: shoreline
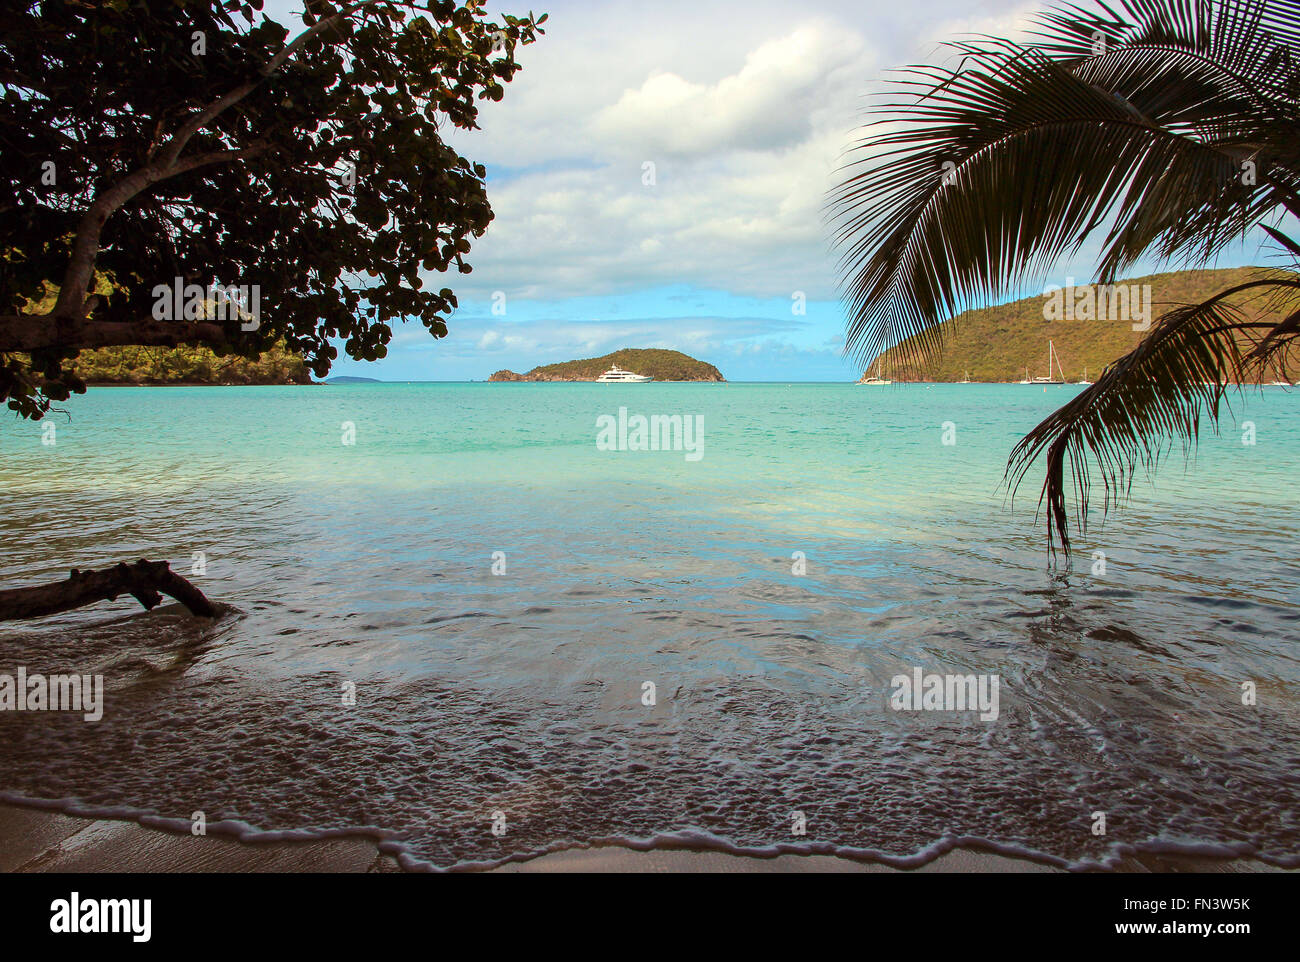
pixel 42 839
pixel 895 381
pixel 99 384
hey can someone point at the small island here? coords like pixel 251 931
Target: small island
pixel 651 362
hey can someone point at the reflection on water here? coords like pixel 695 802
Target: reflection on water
pixel 521 693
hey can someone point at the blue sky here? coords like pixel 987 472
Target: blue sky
pixel 744 110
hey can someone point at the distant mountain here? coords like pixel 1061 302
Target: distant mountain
pixel 658 364
pixel 349 379
pixel 998 343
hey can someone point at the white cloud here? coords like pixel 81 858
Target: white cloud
pixel 767 105
pixel 742 166
pixel 745 110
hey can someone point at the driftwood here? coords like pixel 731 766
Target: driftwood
pixel 146 581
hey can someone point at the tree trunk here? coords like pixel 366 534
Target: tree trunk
pixel 143 580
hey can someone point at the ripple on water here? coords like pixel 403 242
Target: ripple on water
pixel 522 693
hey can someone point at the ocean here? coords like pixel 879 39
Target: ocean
pixel 457 622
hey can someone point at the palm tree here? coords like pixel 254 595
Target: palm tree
pixel 1161 128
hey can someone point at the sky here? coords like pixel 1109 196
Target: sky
pixel 742 112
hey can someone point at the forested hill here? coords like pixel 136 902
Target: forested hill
pixel 187 365
pixel 998 343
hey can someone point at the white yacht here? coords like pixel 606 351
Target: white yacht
pixel 617 374
pixel 1084 379
pixel 965 378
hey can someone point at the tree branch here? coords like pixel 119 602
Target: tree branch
pixel 81 267
pixel 36 332
pixel 146 581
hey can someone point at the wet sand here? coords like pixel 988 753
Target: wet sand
pixel 39 840
pixel 36 840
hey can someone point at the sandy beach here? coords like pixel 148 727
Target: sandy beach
pixel 39 840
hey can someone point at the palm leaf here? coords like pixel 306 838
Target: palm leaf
pixel 1158 392
pixel 1174 135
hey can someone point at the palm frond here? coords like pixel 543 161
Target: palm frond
pixel 1166 127
pixel 1243 49
pixel 1044 145
pixel 1157 393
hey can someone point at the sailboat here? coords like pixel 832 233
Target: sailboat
pixel 874 380
pixel 1026 380
pixel 965 377
pixel 1051 356
pixel 1084 380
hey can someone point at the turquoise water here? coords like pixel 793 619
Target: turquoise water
pixel 520 692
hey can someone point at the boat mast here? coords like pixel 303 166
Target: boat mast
pixel 1051 353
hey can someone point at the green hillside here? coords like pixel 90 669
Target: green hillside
pixel 998 343
pixel 658 364
pixel 187 365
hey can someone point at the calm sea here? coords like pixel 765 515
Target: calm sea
pixel 551 644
